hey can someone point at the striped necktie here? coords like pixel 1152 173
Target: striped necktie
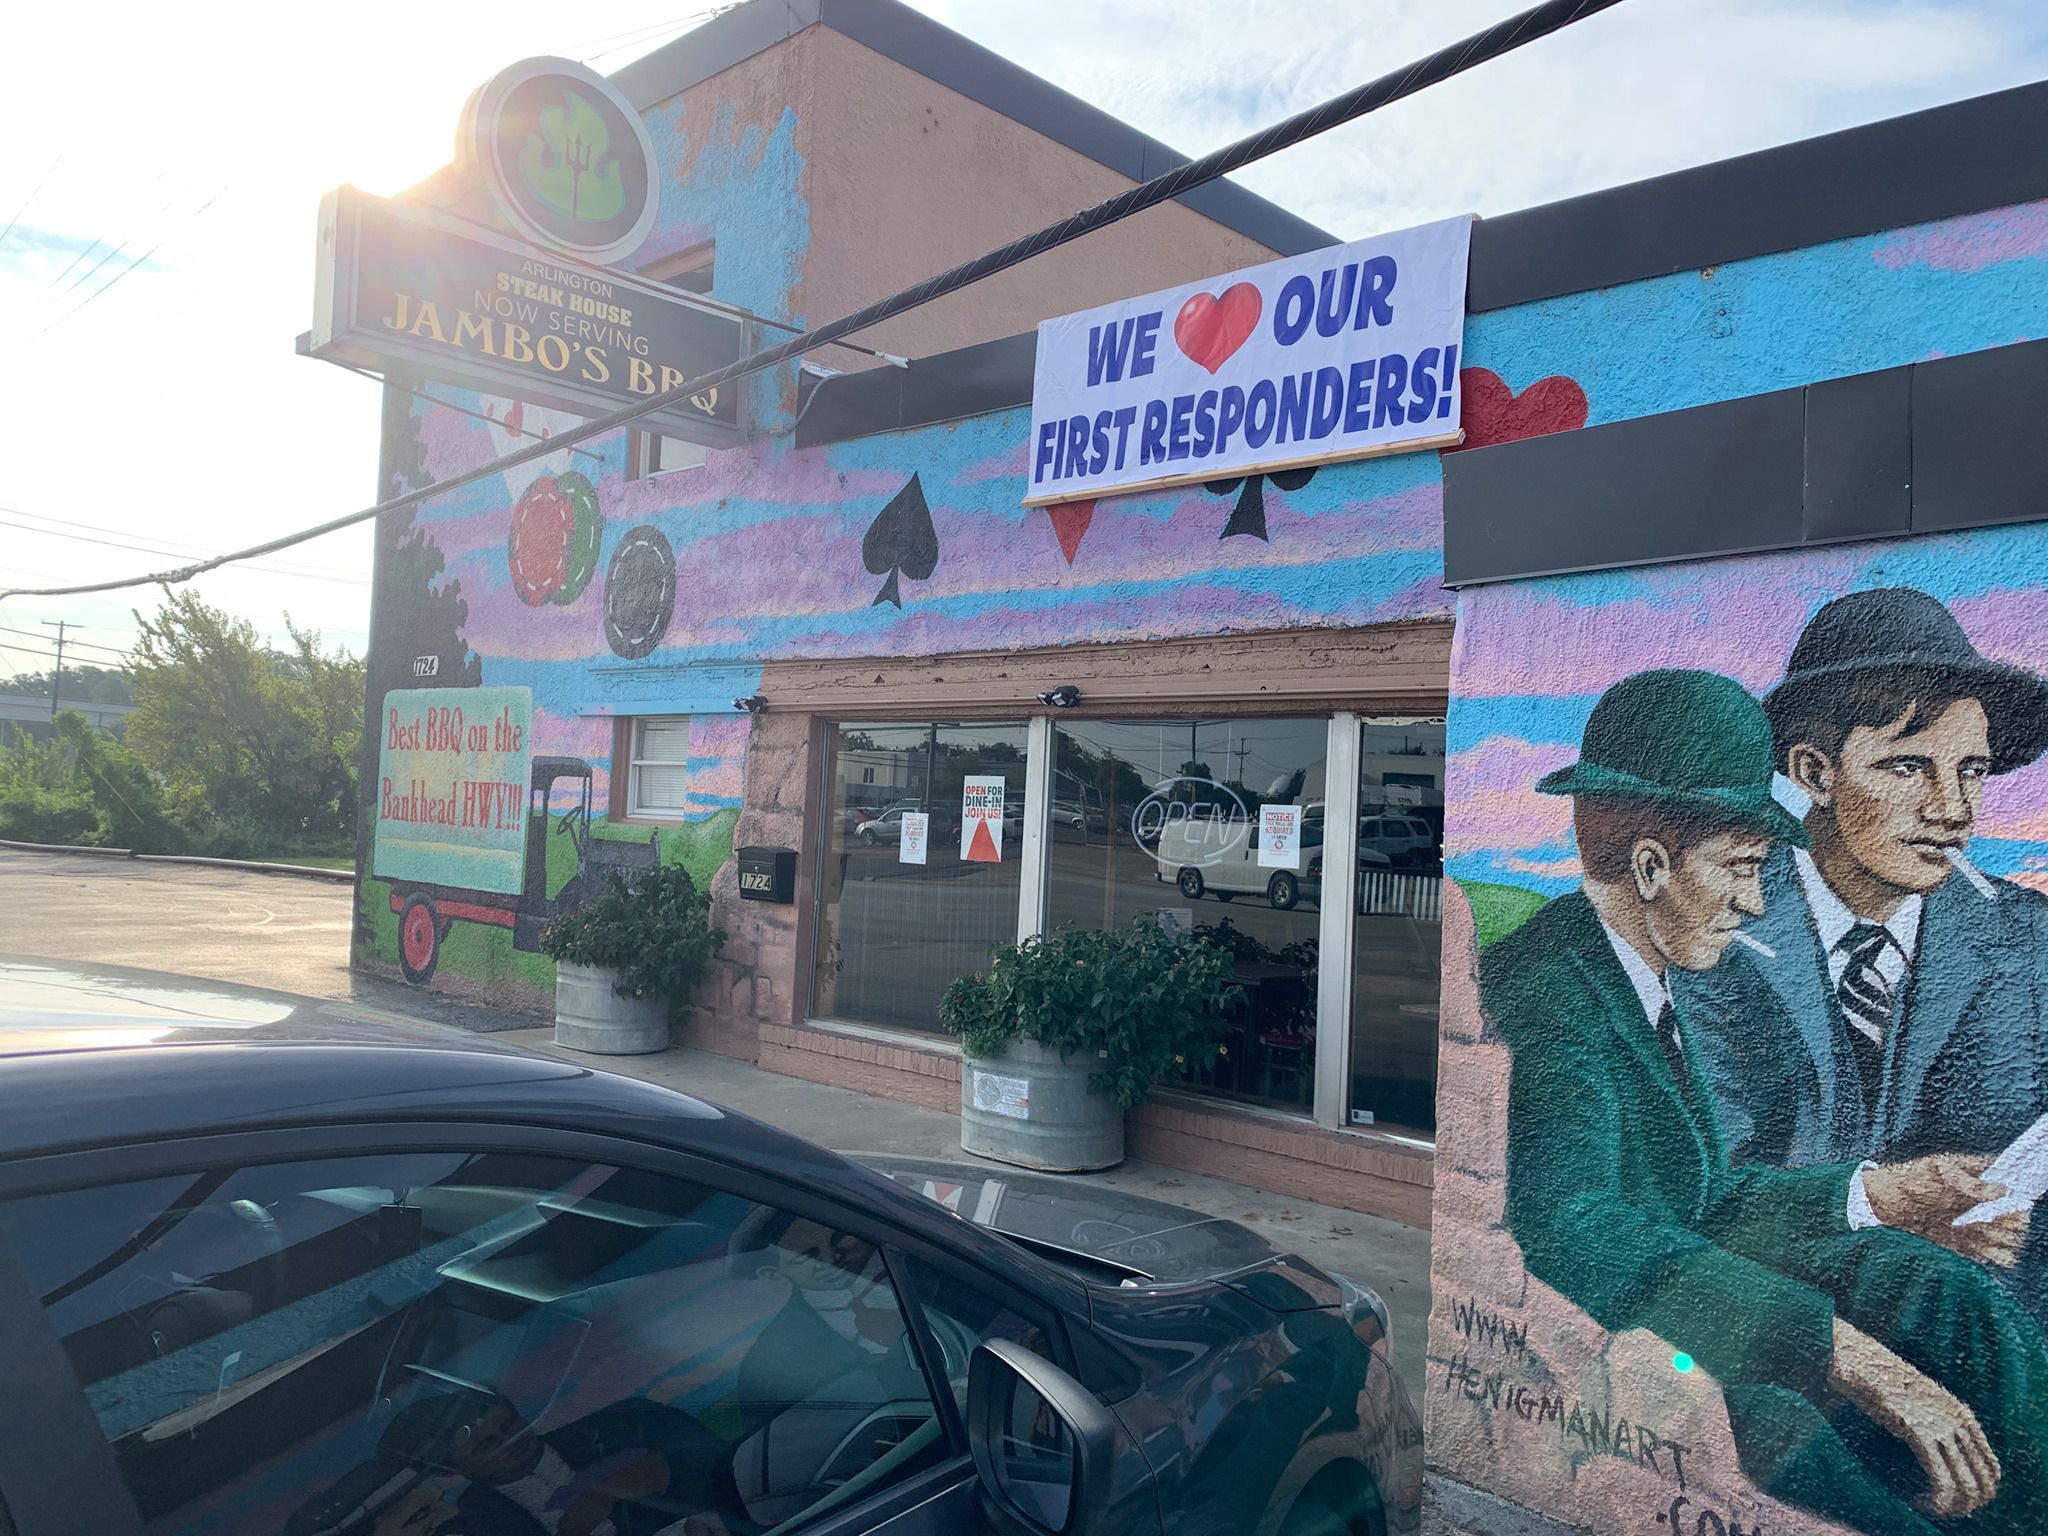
pixel 1866 999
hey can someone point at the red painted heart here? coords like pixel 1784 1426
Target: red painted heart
pixel 1070 520
pixel 1493 413
pixel 1209 329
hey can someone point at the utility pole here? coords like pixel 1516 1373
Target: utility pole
pixel 57 672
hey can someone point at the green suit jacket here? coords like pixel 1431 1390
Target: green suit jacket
pixel 1620 1190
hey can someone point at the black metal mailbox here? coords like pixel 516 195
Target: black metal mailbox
pixel 768 874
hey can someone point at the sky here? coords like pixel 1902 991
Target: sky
pixel 159 197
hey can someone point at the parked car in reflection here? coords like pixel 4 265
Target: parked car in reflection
pixel 271 1265
pixel 1406 840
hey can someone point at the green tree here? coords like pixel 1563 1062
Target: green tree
pixel 82 685
pixel 82 787
pixel 256 748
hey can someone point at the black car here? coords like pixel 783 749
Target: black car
pixel 269 1265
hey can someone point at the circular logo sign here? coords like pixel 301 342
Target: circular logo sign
pixel 566 157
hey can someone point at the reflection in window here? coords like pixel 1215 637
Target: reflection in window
pixel 902 909
pixel 1397 937
pixel 360 1344
pixel 1162 817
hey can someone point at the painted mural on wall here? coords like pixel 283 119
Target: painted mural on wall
pixel 1745 1055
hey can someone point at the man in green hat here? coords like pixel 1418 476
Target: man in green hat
pixel 1869 1374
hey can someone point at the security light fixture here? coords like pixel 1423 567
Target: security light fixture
pixel 1066 696
pixel 752 704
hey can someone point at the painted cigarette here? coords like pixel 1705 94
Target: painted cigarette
pixel 1971 873
pixel 1756 944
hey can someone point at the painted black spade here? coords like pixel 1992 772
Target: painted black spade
pixel 1249 515
pixel 902 542
pixel 639 593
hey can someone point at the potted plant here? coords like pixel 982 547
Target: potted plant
pixel 1064 1032
pixel 626 960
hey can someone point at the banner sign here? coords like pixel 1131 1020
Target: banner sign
pixel 453 773
pixel 404 286
pixel 1337 354
pixel 981 821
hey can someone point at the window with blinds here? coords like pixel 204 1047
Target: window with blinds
pixel 660 769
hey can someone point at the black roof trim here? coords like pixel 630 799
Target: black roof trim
pixel 1927 447
pixel 1961 158
pixel 1937 164
pixel 942 55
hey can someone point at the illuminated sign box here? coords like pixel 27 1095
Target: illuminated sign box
pixel 406 287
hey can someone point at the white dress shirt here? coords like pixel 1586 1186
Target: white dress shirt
pixel 1832 921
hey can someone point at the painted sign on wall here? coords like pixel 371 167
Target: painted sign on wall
pixel 452 777
pixel 1337 354
pixel 1734 1214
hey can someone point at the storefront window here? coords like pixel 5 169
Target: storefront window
pixel 1162 817
pixel 907 904
pixel 1397 934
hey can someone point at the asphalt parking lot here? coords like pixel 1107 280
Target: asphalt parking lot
pixel 282 931
pixel 292 933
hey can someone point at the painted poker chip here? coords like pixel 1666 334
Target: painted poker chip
pixel 537 554
pixel 639 593
pixel 580 563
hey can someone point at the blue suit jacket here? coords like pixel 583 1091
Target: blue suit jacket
pixel 1966 1061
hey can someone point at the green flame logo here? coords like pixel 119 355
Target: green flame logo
pixel 571 172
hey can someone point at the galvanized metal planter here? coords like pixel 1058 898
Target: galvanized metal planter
pixel 590 1016
pixel 1032 1107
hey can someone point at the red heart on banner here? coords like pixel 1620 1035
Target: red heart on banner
pixel 1070 520
pixel 1209 329
pixel 1493 413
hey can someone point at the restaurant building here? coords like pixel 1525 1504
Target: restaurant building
pixel 1694 410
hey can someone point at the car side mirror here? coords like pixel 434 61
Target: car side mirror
pixel 1044 1446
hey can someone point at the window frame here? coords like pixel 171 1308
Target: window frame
pixel 633 808
pixel 1331 1106
pixel 37 1478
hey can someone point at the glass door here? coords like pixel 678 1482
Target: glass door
pixel 1397 927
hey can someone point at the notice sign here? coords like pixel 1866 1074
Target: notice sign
pixel 452 776
pixel 1279 837
pixel 916 840
pixel 1337 354
pixel 981 821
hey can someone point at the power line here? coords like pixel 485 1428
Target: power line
pixel 74 644
pixel 159 548
pixel 1503 37
pixel 86 302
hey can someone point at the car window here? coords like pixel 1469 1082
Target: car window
pixel 961 1315
pixel 500 1344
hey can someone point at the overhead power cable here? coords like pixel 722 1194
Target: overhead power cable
pixel 1503 37
pixel 85 645
pixel 32 194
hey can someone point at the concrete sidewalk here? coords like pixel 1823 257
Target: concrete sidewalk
pixel 1391 1258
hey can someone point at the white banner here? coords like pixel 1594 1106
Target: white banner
pixel 1337 354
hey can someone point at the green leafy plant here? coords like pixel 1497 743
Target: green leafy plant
pixel 1152 1001
pixel 654 931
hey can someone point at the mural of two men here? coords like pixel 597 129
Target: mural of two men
pixel 1758 1062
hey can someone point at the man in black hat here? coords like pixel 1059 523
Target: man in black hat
pixel 1865 1371
pixel 1910 989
